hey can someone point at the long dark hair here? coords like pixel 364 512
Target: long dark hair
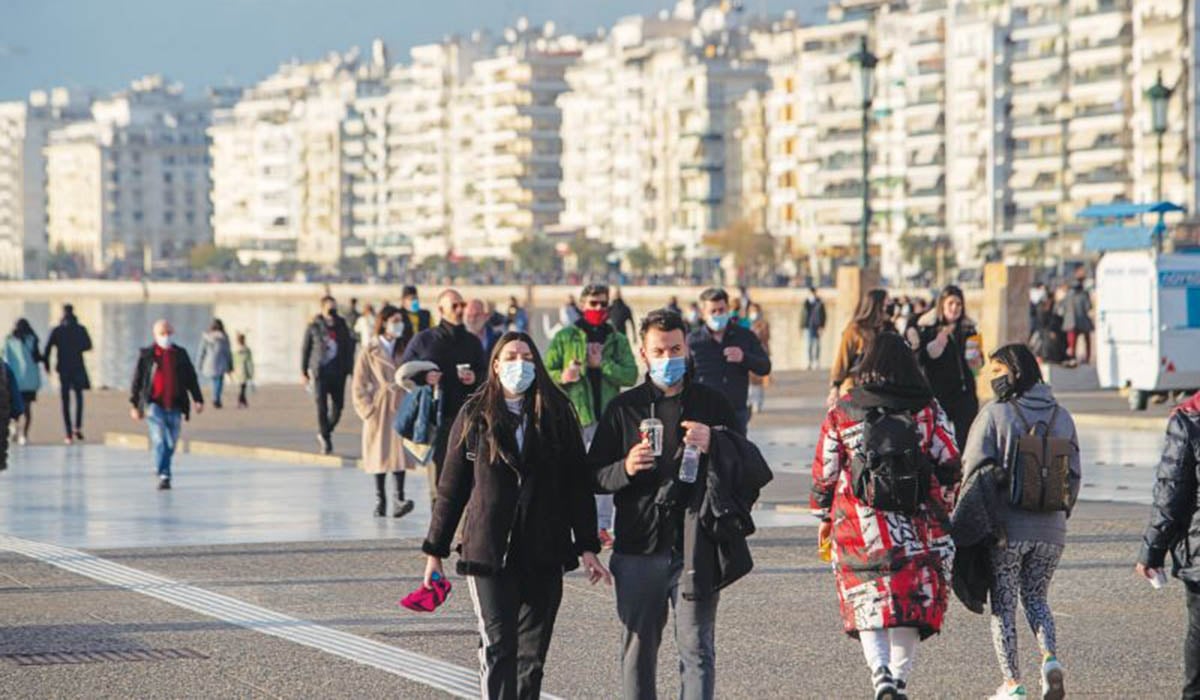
pixel 217 326
pixel 1022 365
pixel 22 329
pixel 888 363
pixel 549 411
pixel 872 314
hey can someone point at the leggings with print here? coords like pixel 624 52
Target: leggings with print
pixel 1022 569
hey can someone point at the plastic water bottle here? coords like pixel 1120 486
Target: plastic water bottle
pixel 689 468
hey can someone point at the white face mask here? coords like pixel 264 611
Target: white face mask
pixel 395 329
pixel 163 341
pixel 517 375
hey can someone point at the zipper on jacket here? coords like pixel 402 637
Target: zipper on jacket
pixel 512 523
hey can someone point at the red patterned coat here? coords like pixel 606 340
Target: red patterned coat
pixel 892 570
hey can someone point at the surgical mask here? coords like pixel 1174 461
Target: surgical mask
pixel 1002 387
pixel 666 372
pixel 163 341
pixel 718 322
pixel 692 317
pixel 516 376
pixel 331 311
pixel 754 317
pixel 395 329
pixel 414 305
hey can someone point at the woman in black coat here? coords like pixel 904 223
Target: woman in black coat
pixel 515 466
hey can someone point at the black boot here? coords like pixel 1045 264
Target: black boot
pixel 380 496
pixel 402 508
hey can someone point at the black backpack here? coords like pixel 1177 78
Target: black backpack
pixel 890 471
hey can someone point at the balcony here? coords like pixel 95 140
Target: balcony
pixel 1036 17
pixel 1102 110
pixel 1102 176
pixel 1098 75
pixel 1102 7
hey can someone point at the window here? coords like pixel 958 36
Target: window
pixel 169 218
pixel 167 178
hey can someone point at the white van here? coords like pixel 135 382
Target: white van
pixel 1147 336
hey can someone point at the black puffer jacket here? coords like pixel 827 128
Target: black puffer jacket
pixel 537 502
pixel 1174 522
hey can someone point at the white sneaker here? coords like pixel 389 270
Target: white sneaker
pixel 1009 692
pixel 1052 680
pixel 22 440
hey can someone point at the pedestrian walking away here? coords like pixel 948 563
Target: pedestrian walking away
pixel 517 317
pixel 812 324
pixel 460 364
pixel 164 388
pixel 884 480
pixel 1076 311
pixel 650 448
pixel 377 398
pixel 592 362
pixel 1172 528
pixel 418 319
pixel 515 467
pixel 947 344
pixel 620 315
pixel 326 360
pixel 215 359
pixel 569 313
pixel 243 369
pixel 24 358
pixel 1028 543
pixel 724 354
pixel 11 407
pixel 870 319
pixel 756 398
pixel 71 340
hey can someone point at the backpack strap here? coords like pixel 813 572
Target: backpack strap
pixel 1025 422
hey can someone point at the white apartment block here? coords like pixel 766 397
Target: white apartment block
pixel 507 162
pixel 401 174
pixel 663 133
pixel 280 159
pixel 25 127
pixel 130 185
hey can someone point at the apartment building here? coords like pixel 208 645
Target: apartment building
pixel 128 188
pixel 281 161
pixel 664 132
pixel 507 163
pixel 25 127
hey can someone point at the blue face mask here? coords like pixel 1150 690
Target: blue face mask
pixel 666 372
pixel 516 376
pixel 414 306
pixel 718 322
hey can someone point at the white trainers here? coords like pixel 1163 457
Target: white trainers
pixel 1052 680
pixel 1008 692
pixel 22 440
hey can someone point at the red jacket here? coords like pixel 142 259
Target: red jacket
pixel 892 570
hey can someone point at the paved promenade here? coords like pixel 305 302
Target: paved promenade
pixel 270 579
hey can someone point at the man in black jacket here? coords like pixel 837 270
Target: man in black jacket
pixel 724 354
pixel 164 384
pixel 1173 527
pixel 647 556
pixel 450 346
pixel 326 360
pixel 619 313
pixel 71 339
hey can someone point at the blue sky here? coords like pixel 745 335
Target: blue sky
pixel 104 44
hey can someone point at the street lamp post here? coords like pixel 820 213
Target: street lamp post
pixel 1160 96
pixel 865 61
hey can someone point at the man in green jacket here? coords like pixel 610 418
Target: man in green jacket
pixel 591 361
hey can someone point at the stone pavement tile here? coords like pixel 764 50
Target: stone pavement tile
pixel 57 611
pixel 779 633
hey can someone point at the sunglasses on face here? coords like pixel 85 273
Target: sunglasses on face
pixel 458 305
pixel 597 304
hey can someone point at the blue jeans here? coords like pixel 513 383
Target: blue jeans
pixel 218 384
pixel 164 435
pixel 813 336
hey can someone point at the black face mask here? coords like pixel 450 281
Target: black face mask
pixel 1003 387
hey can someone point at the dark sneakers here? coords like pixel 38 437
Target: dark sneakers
pixel 402 508
pixel 164 483
pixel 324 444
pixel 885 687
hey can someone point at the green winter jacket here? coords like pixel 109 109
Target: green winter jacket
pixel 618 367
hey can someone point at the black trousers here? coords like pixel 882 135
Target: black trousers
pixel 330 392
pixel 1191 645
pixel 516 612
pixel 242 394
pixel 64 392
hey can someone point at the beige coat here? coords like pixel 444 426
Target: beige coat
pixel 377 400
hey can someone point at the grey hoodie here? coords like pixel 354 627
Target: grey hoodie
pixel 994 436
